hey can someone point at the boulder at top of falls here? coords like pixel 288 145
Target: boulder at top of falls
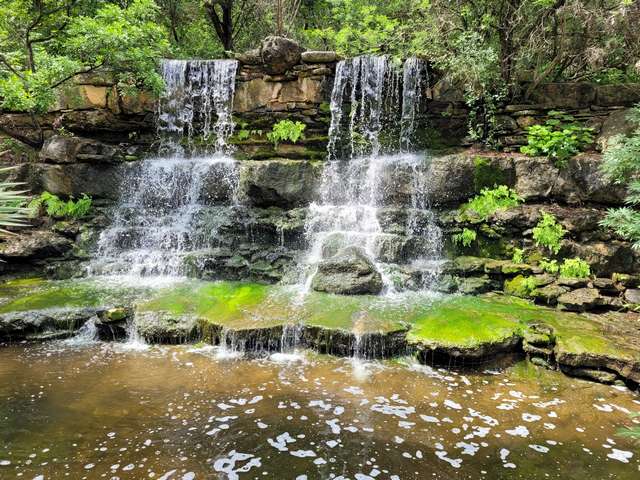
pixel 279 54
pixel 319 56
pixel 348 272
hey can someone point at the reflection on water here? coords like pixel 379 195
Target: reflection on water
pixel 183 413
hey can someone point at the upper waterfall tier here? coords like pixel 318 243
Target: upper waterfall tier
pixel 198 98
pixel 154 224
pixel 374 106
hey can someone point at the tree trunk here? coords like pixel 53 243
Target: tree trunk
pixel 222 21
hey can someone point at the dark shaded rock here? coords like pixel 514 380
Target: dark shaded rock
pixel 571 95
pixel 349 272
pixel 595 375
pixel 475 285
pixel 43 323
pixel 581 300
pixel 616 123
pixel 626 280
pixel 313 56
pixel 279 54
pixel 36 244
pixel 161 327
pixel 605 285
pixel 79 178
pixel 550 293
pixel 616 95
pixel 632 295
pixel 65 149
pixel 282 183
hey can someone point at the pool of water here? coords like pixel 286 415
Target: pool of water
pixel 99 410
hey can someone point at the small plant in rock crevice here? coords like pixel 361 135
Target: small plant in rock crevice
pixel 465 238
pixel 518 255
pixel 549 266
pixel 55 207
pixel 490 200
pixel 575 268
pixel 548 233
pixel 286 131
pixel 559 139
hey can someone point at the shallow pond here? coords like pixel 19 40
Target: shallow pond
pixel 101 410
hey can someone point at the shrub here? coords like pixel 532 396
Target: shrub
pixel 548 233
pixel 490 200
pixel 549 266
pixel 465 238
pixel 622 165
pixel 57 208
pixel 521 286
pixel 286 131
pixel 575 268
pixel 559 139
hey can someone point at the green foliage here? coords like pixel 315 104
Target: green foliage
pixel 548 233
pixel 55 207
pixel 46 43
pixel 465 238
pixel 559 139
pixel 549 266
pixel 518 255
pixel 286 131
pixel 12 211
pixel 490 200
pixel 622 165
pixel 575 268
pixel 354 27
pixel 521 286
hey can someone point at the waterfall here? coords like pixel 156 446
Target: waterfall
pixel 374 116
pixel 154 223
pixel 196 93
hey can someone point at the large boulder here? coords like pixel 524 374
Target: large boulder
pixel 279 54
pixel 280 183
pixel 617 123
pixel 36 244
pixel 349 272
pixel 65 149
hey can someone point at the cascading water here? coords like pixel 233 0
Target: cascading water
pixel 364 178
pixel 153 225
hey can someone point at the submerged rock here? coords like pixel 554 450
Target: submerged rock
pixel 349 272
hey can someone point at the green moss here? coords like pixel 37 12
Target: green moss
pixel 487 176
pixel 520 286
pixel 466 322
pixel 67 294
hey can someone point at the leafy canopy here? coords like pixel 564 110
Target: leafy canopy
pixel 45 43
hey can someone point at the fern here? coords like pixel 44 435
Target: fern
pixel 54 207
pixel 465 238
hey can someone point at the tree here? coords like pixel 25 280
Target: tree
pixel 45 43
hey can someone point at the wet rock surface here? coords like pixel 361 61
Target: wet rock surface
pixel 348 272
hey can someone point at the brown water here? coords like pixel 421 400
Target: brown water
pixel 103 411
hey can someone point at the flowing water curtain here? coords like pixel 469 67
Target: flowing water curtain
pixel 415 81
pixel 197 101
pixel 165 202
pixel 364 104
